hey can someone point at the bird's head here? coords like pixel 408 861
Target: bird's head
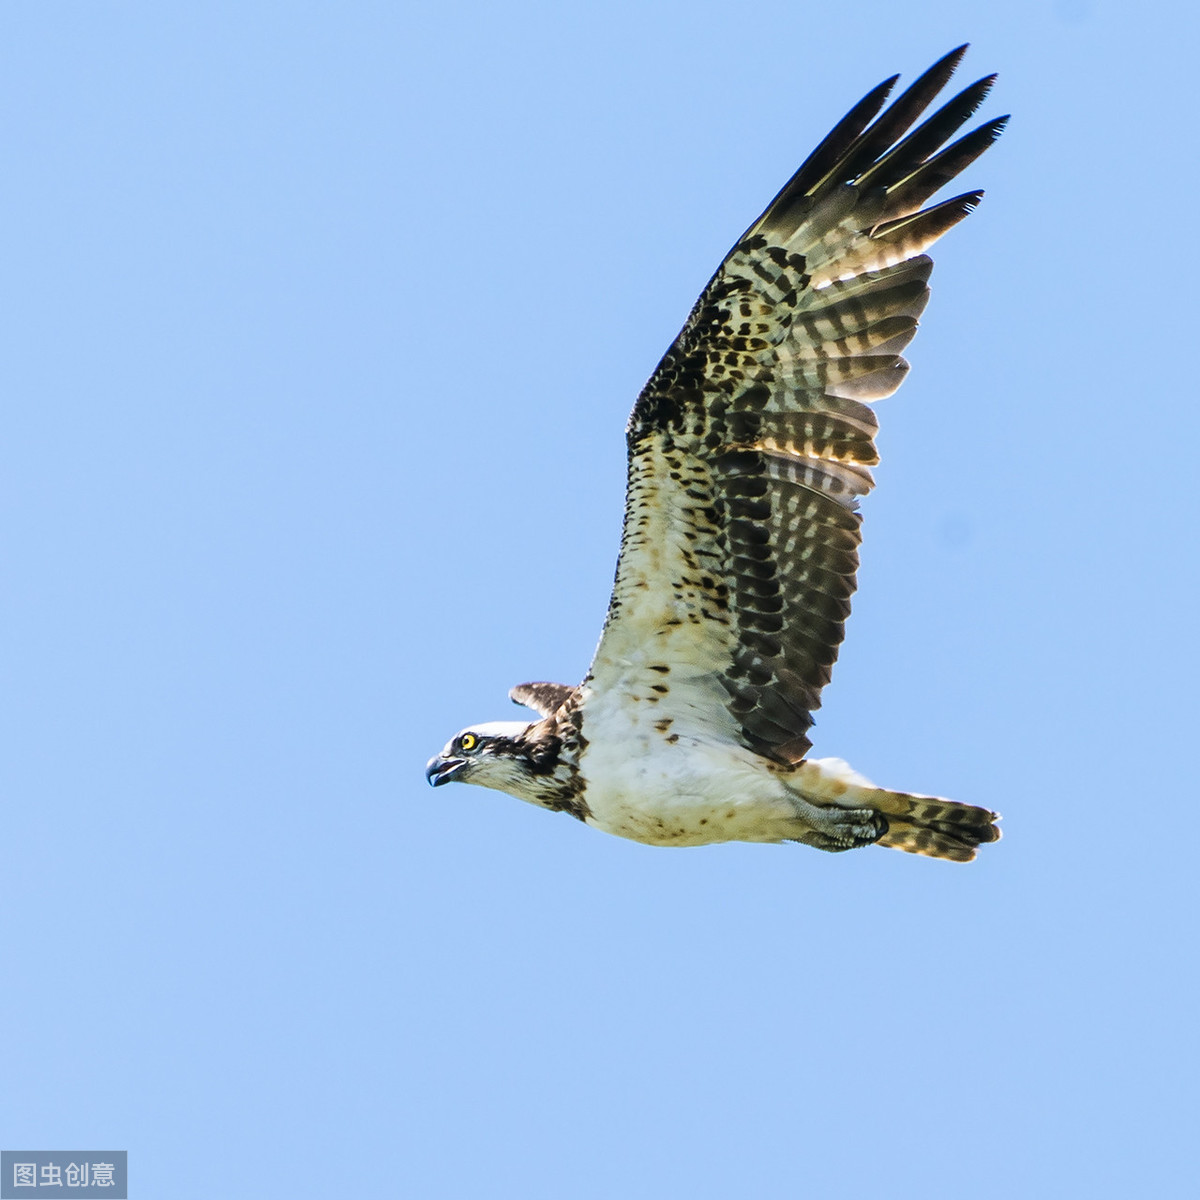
pixel 498 754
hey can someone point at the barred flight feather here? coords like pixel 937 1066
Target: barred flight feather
pixel 767 384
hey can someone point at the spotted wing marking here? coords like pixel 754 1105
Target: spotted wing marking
pixel 753 440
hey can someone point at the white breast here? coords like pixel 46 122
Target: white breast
pixel 654 775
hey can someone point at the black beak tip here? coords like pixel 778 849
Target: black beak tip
pixel 440 770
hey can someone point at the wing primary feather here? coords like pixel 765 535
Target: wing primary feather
pixel 929 224
pixel 931 176
pixel 894 121
pixel 906 154
pixel 895 241
pixel 831 149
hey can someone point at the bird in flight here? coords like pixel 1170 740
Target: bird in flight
pixel 748 450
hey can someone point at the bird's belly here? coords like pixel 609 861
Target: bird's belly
pixel 686 794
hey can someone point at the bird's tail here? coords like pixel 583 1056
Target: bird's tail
pixel 925 825
pixel 935 827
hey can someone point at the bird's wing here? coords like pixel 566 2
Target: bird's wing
pixel 543 698
pixel 752 441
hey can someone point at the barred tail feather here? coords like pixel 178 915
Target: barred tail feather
pixel 936 828
pixel 927 825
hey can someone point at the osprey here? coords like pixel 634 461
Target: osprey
pixel 748 450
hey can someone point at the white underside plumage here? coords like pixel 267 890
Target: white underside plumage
pixel 694 790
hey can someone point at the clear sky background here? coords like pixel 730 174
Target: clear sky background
pixel 320 328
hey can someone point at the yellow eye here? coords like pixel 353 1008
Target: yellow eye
pixel 468 741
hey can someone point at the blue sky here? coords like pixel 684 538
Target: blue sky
pixel 321 325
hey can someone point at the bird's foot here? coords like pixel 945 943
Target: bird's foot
pixel 833 829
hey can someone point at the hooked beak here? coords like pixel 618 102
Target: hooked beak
pixel 439 770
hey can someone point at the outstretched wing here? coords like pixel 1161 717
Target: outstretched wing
pixel 751 443
pixel 543 698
